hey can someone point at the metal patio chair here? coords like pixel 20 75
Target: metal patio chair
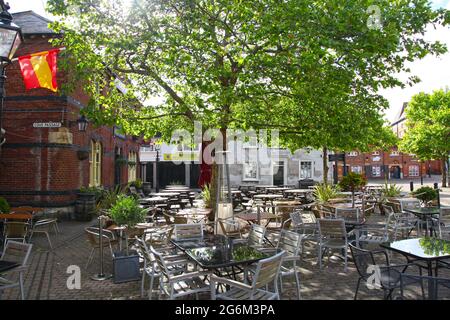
pixel 389 275
pixel 267 272
pixel 15 252
pixel 176 285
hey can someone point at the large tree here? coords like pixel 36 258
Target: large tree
pixel 428 128
pixel 222 61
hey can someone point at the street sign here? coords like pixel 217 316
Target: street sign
pixel 336 157
pixel 47 125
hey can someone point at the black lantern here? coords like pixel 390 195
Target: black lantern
pixel 10 34
pixel 10 39
pixel 82 124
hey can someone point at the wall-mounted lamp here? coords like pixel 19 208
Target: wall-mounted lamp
pixel 82 123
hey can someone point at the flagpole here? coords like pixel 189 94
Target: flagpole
pixel 37 53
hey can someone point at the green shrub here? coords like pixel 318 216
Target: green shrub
pixel 324 192
pixel 138 183
pixel 126 211
pixel 390 190
pixel 4 206
pixel 206 195
pixel 109 198
pixel 425 194
pixel 352 182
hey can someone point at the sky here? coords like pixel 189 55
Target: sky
pixel 434 72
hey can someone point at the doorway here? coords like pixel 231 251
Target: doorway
pixel 395 172
pixel 278 171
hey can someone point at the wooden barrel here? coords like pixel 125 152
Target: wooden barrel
pixel 85 207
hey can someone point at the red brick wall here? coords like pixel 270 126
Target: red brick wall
pixel 387 160
pixel 34 172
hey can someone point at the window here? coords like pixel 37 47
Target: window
pixel 353 154
pixel 95 164
pixel 132 164
pixel 376 153
pixel 376 171
pixel 395 153
pixel 356 169
pixel 414 171
pixel 306 169
pixel 250 164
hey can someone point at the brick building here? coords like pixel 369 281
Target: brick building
pixel 46 159
pixel 390 164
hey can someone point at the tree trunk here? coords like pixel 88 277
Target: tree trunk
pixel 444 172
pixel 325 165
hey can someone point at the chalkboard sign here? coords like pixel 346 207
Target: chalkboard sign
pixel 336 157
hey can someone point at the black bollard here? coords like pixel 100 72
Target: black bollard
pixel 436 186
pixel 421 180
pixel 411 186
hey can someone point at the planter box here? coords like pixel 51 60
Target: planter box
pixel 126 267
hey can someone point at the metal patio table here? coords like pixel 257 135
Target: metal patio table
pixel 220 254
pixel 425 214
pixel 428 250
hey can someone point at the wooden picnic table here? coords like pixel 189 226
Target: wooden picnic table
pixel 299 191
pixel 16 216
pixel 154 200
pixel 165 194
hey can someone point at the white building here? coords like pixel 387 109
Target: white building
pixel 248 165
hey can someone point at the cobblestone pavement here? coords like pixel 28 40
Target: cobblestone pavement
pixel 47 276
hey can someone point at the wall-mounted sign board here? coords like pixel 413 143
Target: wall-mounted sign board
pixel 47 125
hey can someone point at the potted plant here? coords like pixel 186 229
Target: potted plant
pixel 138 184
pixel 353 182
pixel 86 203
pixel 426 195
pixel 324 192
pixel 126 213
pixel 4 206
pixel 388 193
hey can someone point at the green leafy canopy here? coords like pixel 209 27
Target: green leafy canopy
pixel 310 69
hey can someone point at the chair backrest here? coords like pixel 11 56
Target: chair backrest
pixel 229 227
pixel 267 271
pixel 444 215
pixel 296 218
pixel 387 209
pixel 291 242
pixel 362 259
pixel 144 251
pixel 161 263
pixel 332 229
pixel 348 214
pixel 17 252
pixel 409 204
pixel 15 229
pixel 188 231
pixel 308 218
pixel 256 235
pixel 430 286
pixel 93 234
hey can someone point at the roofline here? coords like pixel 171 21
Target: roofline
pixel 34 13
pixel 398 121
